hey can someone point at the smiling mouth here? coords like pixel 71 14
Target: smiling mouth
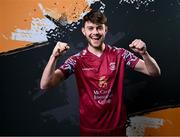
pixel 96 38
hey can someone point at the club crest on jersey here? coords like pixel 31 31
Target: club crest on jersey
pixel 102 82
pixel 112 66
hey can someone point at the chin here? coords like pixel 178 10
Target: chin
pixel 96 45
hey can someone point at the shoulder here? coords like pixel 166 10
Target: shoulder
pixel 79 55
pixel 114 49
pixel 124 53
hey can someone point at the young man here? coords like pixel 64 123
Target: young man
pixel 99 71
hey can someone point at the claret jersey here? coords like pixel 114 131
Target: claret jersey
pixel 100 84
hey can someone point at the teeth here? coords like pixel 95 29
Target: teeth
pixel 96 38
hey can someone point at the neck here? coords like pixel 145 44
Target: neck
pixel 97 50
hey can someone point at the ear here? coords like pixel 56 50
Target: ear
pixel 83 31
pixel 106 29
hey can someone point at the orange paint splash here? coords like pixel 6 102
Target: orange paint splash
pixel 19 14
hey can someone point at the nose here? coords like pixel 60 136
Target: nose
pixel 95 31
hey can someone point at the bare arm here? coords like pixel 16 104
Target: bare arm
pixel 148 65
pixel 51 76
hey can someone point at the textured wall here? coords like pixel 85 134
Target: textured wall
pixel 28 32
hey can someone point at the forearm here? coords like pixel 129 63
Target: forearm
pixel 151 65
pixel 47 76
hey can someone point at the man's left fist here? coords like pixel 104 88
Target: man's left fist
pixel 138 46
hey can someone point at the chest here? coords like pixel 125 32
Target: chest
pixel 99 68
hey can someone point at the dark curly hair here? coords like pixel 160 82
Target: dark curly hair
pixel 95 17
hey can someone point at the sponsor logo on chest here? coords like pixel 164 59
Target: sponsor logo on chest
pixel 112 66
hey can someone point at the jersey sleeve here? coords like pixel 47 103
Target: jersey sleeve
pixel 130 59
pixel 68 67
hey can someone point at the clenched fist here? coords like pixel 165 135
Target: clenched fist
pixel 60 49
pixel 138 46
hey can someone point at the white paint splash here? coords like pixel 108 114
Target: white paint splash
pixel 39 27
pixel 138 124
pixel 91 2
pixel 102 6
pixel 37 33
pixel 137 3
pixel 42 9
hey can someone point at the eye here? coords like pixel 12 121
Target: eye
pixel 90 28
pixel 100 28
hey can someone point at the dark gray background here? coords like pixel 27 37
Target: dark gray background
pixel 26 110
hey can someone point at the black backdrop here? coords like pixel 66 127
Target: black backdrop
pixel 26 110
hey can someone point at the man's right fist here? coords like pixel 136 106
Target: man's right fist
pixel 60 49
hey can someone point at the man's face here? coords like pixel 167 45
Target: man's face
pixel 95 33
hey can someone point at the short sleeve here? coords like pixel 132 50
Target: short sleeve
pixel 130 59
pixel 68 67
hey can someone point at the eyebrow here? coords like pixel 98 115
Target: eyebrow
pixel 101 25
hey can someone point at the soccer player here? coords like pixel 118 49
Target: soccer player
pixel 99 71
